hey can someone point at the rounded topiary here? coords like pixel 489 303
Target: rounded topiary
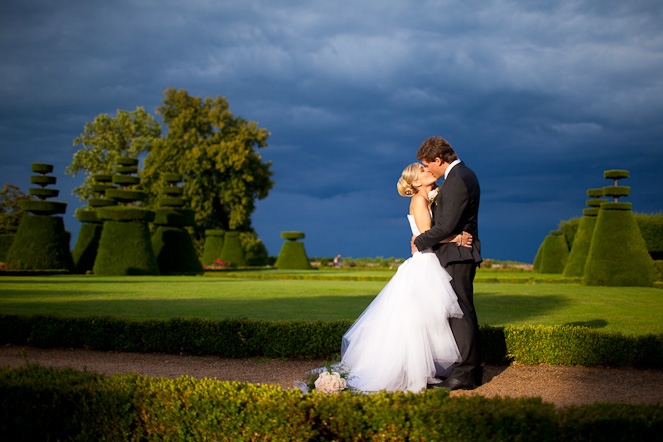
pixel 575 265
pixel 618 254
pixel 125 246
pixel 87 244
pixel 232 252
pixel 213 245
pixel 41 242
pixel 555 253
pixel 172 244
pixel 292 254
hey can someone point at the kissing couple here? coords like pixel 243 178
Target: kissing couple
pixel 421 330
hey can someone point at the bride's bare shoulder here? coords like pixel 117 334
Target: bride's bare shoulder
pixel 418 202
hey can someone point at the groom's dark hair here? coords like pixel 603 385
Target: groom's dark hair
pixel 436 147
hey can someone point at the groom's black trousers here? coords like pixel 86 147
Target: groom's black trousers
pixel 465 329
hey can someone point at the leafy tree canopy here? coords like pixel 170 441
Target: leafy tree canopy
pixel 10 207
pixel 128 134
pixel 216 152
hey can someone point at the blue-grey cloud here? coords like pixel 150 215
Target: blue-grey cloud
pixel 537 98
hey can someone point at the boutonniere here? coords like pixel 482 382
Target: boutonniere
pixel 432 196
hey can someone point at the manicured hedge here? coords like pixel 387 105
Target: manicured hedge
pixel 63 404
pixel 558 345
pixel 41 243
pixel 651 228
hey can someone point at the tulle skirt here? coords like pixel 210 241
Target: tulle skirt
pixel 403 339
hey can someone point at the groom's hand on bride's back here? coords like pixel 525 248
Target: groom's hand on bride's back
pixel 414 248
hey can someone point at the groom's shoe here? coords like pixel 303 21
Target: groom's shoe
pixel 453 384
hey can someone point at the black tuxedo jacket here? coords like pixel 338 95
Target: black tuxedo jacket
pixel 457 209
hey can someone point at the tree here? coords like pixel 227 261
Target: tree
pixel 10 207
pixel 127 135
pixel 216 153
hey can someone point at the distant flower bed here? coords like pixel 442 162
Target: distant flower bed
pixel 217 264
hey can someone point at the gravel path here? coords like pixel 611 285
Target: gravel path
pixel 562 386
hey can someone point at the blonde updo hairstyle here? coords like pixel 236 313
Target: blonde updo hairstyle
pixel 409 175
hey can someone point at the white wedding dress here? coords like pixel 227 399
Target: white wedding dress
pixel 403 337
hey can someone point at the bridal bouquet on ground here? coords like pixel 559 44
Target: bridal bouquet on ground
pixel 326 380
pixel 330 382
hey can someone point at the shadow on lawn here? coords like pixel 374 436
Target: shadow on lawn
pixel 498 308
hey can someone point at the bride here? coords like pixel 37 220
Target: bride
pixel 403 339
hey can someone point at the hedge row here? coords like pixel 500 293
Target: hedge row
pixel 556 345
pixel 63 404
pixel 313 276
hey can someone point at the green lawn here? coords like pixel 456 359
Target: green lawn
pixel 614 309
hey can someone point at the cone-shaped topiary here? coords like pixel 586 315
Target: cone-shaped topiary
pixel 575 265
pixel 41 242
pixel 85 250
pixel 618 254
pixel 172 244
pixel 213 245
pixel 537 258
pixel 555 253
pixel 292 254
pixel 232 253
pixel 125 246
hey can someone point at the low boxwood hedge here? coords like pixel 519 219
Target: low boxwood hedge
pixel 63 404
pixel 241 337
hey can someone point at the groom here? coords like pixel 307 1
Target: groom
pixel 455 209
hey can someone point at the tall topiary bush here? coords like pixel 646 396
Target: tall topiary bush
pixel 618 255
pixel 213 245
pixel 85 250
pixel 41 242
pixel 651 228
pixel 575 265
pixel 125 246
pixel 232 251
pixel 172 244
pixel 554 253
pixel 292 254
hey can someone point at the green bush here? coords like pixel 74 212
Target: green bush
pixel 213 245
pixel 6 241
pixel 174 251
pixel 62 404
pixel 537 259
pixel 85 250
pixel 292 254
pixel 232 251
pixel 651 229
pixel 41 243
pixel 569 229
pixel 618 255
pixel 241 337
pixel 125 248
pixel 575 264
pixel 554 254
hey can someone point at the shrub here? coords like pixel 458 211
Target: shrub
pixel 575 264
pixel 554 254
pixel 172 244
pixel 125 246
pixel 85 250
pixel 569 229
pixel 292 254
pixel 618 255
pixel 651 229
pixel 213 245
pixel 62 404
pixel 41 242
pixel 232 251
